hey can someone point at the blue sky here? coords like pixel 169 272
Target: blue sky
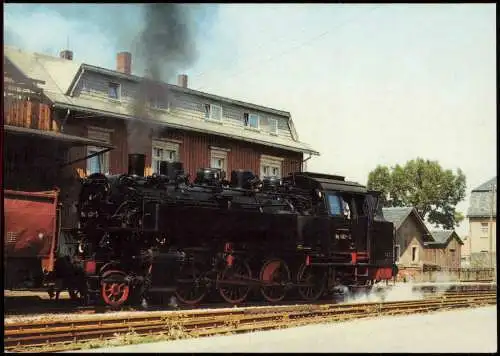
pixel 366 84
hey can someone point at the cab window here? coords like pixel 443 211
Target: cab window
pixel 334 205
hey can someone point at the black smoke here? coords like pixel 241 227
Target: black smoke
pixel 165 47
pixel 167 43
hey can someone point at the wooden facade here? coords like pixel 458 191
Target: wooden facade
pixel 194 149
pixel 444 256
pixel 417 248
pixel 24 102
pixel 180 104
pixel 410 239
pixel 199 129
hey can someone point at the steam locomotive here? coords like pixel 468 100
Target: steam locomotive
pixel 307 234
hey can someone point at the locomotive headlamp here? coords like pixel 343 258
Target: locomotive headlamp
pixel 40 235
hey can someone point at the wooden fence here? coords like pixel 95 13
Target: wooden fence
pixel 447 275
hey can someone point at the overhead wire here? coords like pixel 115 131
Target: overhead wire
pixel 295 48
pixel 263 29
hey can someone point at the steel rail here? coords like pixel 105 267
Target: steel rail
pixel 55 335
pixel 66 308
pixel 140 315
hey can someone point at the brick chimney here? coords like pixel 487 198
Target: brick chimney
pixel 124 62
pixel 182 80
pixel 66 54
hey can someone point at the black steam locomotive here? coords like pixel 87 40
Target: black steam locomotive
pixel 306 233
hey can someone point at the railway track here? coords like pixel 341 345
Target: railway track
pixel 57 335
pixel 64 306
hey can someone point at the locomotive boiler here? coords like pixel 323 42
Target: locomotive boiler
pixel 304 234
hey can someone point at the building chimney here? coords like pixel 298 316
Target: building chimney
pixel 66 54
pixel 124 62
pixel 182 80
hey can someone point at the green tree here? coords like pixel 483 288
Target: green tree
pixel 433 191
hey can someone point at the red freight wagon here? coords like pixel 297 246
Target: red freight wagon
pixel 36 209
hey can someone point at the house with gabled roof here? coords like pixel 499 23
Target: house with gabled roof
pixel 481 216
pixel 445 250
pixel 418 248
pixel 200 129
pixel 411 235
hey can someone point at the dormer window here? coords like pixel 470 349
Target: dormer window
pixel 114 90
pixel 213 112
pixel 251 120
pixel 159 102
pixel 84 85
pixel 273 126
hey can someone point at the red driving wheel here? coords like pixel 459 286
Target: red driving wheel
pixel 115 293
pixel 276 272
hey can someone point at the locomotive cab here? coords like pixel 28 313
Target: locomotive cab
pixel 349 229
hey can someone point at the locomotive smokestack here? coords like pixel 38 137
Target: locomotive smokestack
pixel 136 164
pixel 163 168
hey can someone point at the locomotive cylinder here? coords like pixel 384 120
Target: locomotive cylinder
pixel 136 164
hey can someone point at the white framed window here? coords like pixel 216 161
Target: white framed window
pixel 484 228
pixel 159 102
pixel 397 253
pixel 163 151
pixel 218 159
pixel 85 85
pixel 213 112
pixel 271 171
pixel 114 90
pixel 273 126
pixel 252 120
pixel 270 166
pixel 414 254
pixel 99 163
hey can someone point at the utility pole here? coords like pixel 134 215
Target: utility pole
pixel 493 191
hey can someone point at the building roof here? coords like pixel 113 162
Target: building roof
pixel 486 186
pixel 137 79
pixel 62 75
pixel 398 215
pixel 483 200
pixel 442 237
pixel 71 140
pixel 57 73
